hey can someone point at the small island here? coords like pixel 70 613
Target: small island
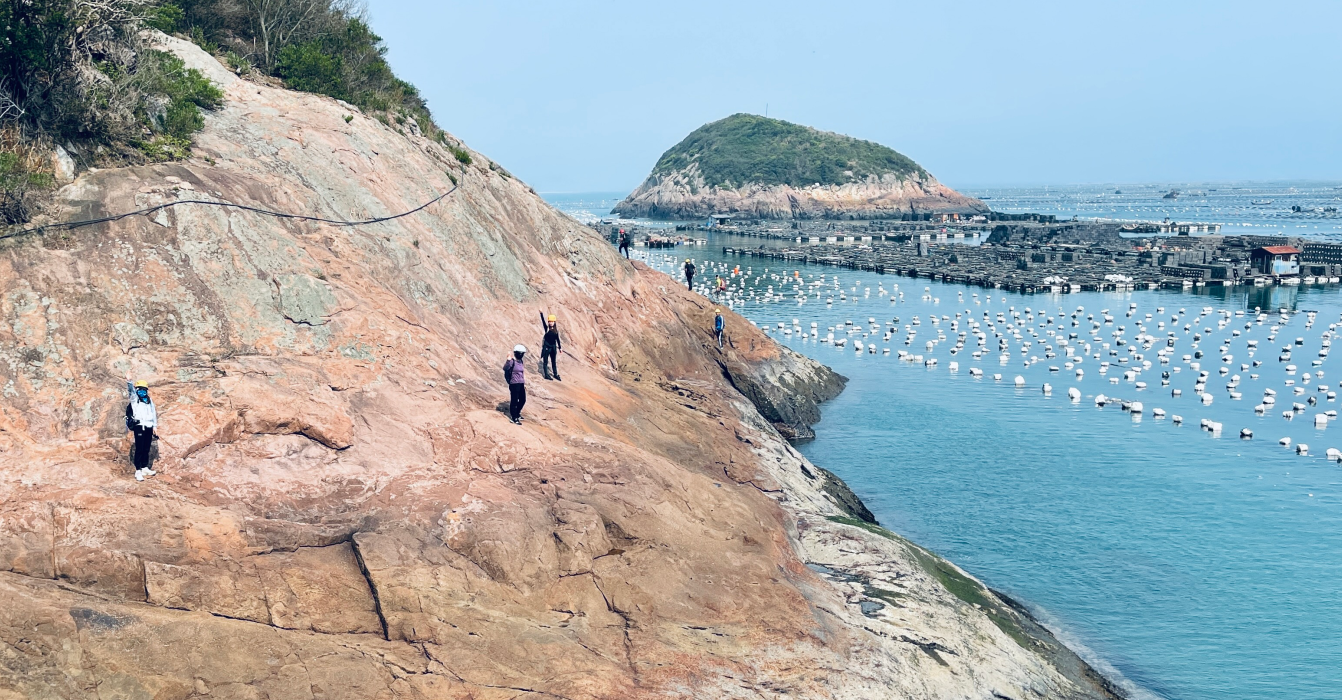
pixel 754 167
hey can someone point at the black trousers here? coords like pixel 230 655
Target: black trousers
pixel 689 280
pixel 624 248
pixel 549 354
pixel 518 393
pixel 144 442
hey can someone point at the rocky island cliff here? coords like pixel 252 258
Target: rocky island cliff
pixel 341 510
pixel 761 168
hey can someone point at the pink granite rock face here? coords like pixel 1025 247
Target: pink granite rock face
pixel 342 512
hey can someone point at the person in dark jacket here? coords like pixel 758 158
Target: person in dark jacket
pixel 141 419
pixel 515 373
pixel 718 326
pixel 689 274
pixel 624 243
pixel 550 347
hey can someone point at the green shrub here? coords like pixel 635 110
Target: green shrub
pixel 461 154
pixel 309 68
pixel 164 148
pixel 320 46
pixel 186 89
pixel 79 74
pixel 237 63
pixel 166 17
pixel 18 184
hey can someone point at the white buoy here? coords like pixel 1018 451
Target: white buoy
pixel 1074 393
pixel 997 377
pixel 1158 412
pixel 1135 407
pixel 1177 392
pixel 1020 381
pixel 1320 420
pixel 1048 389
pixel 1302 449
pixel 1334 454
pixel 1284 442
pixel 1177 419
pixel 1246 434
pixel 954 366
pixel 1206 399
pixel 1100 399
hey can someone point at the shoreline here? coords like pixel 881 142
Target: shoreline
pixel 1010 615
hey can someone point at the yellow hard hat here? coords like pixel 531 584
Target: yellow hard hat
pixel 551 317
pixel 142 384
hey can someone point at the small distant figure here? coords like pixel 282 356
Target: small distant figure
pixel 515 373
pixel 141 419
pixel 689 274
pixel 722 284
pixel 718 325
pixel 550 347
pixel 624 244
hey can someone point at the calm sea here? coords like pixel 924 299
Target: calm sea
pixel 1186 564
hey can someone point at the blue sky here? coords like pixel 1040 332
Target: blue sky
pixel 584 96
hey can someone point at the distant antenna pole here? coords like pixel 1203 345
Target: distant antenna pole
pixel 766 110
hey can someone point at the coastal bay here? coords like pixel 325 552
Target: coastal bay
pixel 1182 563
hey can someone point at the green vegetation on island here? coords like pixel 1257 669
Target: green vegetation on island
pixel 749 149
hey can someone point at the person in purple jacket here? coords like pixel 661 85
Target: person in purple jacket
pixel 515 373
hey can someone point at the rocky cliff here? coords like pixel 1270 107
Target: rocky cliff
pixel 760 168
pixel 343 512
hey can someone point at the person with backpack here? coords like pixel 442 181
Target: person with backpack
pixel 689 274
pixel 141 419
pixel 624 244
pixel 718 325
pixel 550 347
pixel 515 373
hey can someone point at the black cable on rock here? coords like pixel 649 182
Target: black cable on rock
pixel 71 225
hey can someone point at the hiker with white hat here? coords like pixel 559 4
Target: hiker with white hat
pixel 516 375
pixel 141 419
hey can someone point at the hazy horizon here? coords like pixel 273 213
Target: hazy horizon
pixel 585 97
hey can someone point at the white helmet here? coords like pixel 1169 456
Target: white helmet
pixel 519 348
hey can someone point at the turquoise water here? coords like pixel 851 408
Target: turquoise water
pixel 1185 563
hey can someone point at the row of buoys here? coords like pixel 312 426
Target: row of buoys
pixel 1130 374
